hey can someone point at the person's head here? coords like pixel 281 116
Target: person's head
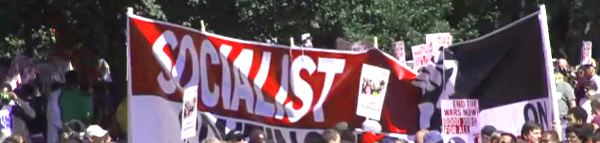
pixel 486 133
pixel 420 136
pixel 257 136
pixel 576 116
pixel 572 135
pixel 16 138
pixel 588 71
pixel 562 63
pixel 211 140
pixel 507 138
pixel 549 137
pixel 95 134
pixel 531 132
pixel 590 88
pixel 72 78
pixel 558 76
pixel 595 106
pixel 234 136
pixel 331 136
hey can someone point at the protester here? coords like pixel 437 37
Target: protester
pixel 66 104
pixel 486 133
pixel 15 138
pixel 507 138
pixel 420 136
pixel 549 137
pixel 580 134
pixel 370 137
pixel 346 134
pixel 531 132
pixel 567 98
pixel 16 111
pixel 576 116
pixel 257 136
pixel 595 113
pixel 433 137
pixel 74 103
pixel 95 134
pixel 331 136
pixel 211 140
pixel 234 136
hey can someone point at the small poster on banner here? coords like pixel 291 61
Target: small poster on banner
pixel 586 53
pixel 373 84
pixel 460 120
pixel 421 55
pixel 399 50
pixel 189 113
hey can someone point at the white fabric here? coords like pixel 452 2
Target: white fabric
pixel 586 105
pixel 95 131
pixel 53 118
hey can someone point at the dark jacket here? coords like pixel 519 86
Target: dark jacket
pixel 21 112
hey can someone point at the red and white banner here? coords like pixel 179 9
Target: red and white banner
pixel 290 93
pixel 586 53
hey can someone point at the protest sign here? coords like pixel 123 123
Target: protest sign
pixel 421 55
pixel 373 85
pixel 586 53
pixel 189 113
pixel 460 120
pixel 399 51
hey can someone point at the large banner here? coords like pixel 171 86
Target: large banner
pixel 510 77
pixel 290 93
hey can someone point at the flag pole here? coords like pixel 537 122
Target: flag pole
pixel 549 68
pixel 203 27
pixel 128 79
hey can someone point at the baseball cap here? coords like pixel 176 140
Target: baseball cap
pixel 95 130
pixel 234 135
pixel 488 130
pixel 433 137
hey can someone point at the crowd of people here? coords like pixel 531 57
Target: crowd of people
pixel 70 114
pixel 72 108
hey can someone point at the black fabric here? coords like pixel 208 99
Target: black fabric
pixel 503 67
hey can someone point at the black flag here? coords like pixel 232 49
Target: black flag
pixel 506 70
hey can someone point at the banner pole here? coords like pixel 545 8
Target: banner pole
pixel 375 42
pixel 203 27
pixel 128 78
pixel 550 68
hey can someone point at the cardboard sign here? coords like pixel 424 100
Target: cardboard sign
pixel 439 39
pixel 399 50
pixel 373 85
pixel 460 122
pixel 421 55
pixel 586 53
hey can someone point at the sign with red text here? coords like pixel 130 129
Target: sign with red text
pixel 422 55
pixel 586 53
pixel 460 120
pixel 292 94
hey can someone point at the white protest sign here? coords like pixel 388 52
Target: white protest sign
pixel 373 85
pixel 421 55
pixel 586 53
pixel 189 113
pixel 439 39
pixel 399 50
pixel 460 122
